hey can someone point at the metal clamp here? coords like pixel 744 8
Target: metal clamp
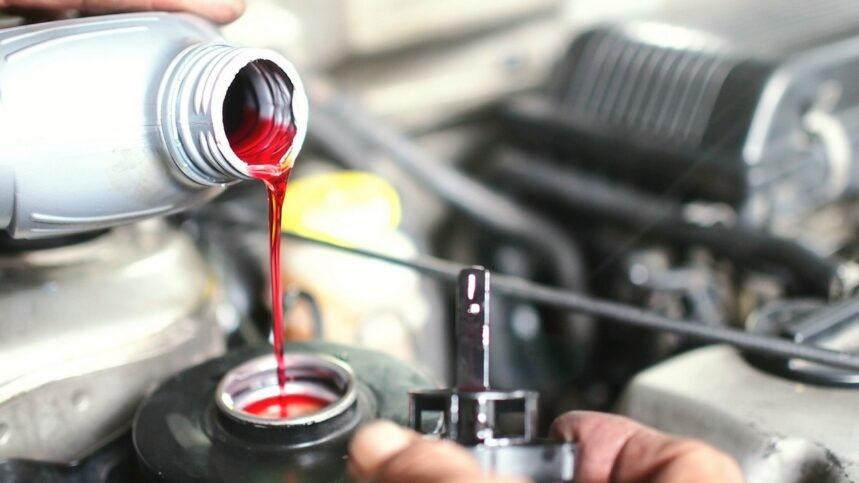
pixel 499 427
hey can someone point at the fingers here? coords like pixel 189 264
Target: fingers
pixel 617 449
pixel 600 437
pixel 221 11
pixel 427 461
pixel 385 453
pixel 375 444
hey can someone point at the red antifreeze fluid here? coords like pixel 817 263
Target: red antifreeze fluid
pixel 262 143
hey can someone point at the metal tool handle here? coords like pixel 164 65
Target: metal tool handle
pixel 472 330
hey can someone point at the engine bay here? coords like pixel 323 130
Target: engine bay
pixel 665 197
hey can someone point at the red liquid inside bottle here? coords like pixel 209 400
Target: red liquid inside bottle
pixel 259 141
pixel 262 143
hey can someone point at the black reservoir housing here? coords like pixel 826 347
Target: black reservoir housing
pixel 190 429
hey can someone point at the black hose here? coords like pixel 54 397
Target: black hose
pixel 579 189
pixel 624 314
pixel 662 217
pixel 315 312
pixel 345 131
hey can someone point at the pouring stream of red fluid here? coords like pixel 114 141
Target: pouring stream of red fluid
pixel 262 143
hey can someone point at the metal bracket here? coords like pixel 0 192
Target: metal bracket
pixel 500 427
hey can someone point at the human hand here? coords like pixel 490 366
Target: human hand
pixel 617 449
pixel 611 449
pixel 383 452
pixel 221 11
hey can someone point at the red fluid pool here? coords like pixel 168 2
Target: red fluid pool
pixel 262 143
pixel 285 406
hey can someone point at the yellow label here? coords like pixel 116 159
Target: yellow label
pixel 345 207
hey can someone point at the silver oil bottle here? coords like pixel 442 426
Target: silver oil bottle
pixel 109 120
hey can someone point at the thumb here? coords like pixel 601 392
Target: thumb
pixel 385 453
pixel 376 443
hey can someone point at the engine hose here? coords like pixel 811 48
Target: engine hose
pixel 622 314
pixel 662 218
pixel 467 195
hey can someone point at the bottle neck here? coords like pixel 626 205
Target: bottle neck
pixel 211 94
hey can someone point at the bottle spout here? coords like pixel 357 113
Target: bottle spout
pixel 226 109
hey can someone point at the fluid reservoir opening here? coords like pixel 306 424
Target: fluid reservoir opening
pixel 257 114
pixel 318 388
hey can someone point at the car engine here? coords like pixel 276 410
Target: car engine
pixel 662 196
